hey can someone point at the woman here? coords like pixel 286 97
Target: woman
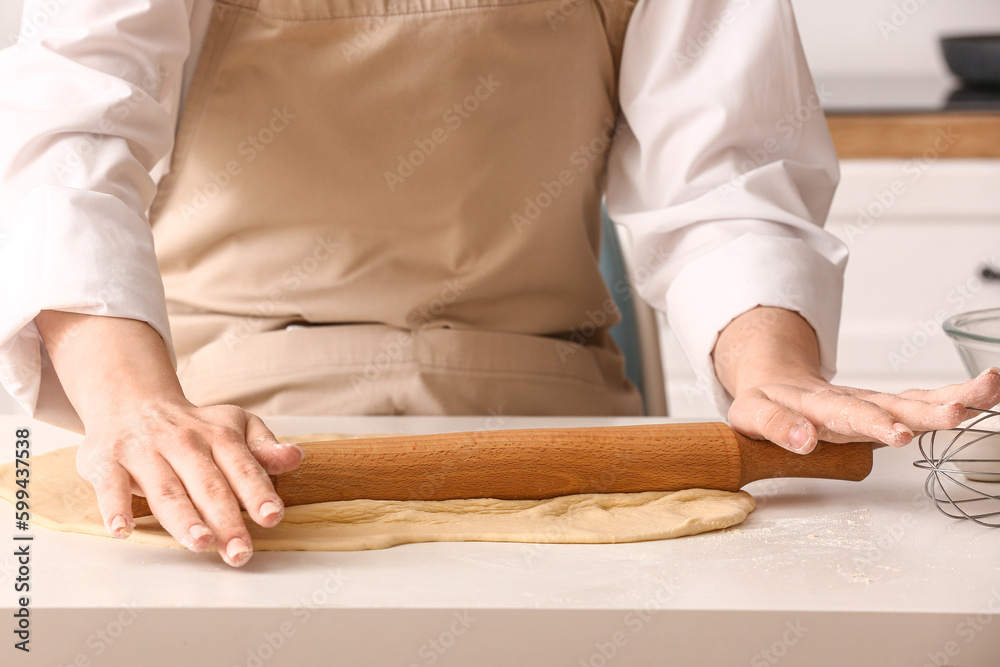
pixel 333 185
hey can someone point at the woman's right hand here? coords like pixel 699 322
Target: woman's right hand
pixel 196 465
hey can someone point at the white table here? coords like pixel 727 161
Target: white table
pixel 823 573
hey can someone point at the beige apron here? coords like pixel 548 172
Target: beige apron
pixel 392 207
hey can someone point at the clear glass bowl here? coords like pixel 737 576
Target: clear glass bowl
pixel 976 336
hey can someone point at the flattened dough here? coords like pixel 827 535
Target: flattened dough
pixel 62 500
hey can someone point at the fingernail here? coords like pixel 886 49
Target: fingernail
pixel 238 552
pixel 196 537
pixel 991 370
pixel 270 509
pixel 905 435
pixel 120 528
pixel 799 438
pixel 302 452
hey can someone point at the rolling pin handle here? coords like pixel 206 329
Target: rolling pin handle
pixel 760 459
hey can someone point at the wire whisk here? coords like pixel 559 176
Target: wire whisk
pixel 967 452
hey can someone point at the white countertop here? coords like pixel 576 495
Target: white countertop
pixel 823 572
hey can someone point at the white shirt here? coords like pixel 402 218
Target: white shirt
pixel 723 174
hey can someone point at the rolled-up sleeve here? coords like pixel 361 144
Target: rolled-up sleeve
pixel 88 109
pixel 723 172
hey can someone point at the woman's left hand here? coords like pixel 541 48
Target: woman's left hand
pixel 779 394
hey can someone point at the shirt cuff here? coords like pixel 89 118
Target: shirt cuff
pixel 76 251
pixel 711 290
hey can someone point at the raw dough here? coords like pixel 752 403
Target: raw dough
pixel 62 500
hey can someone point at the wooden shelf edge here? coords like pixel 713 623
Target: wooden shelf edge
pixel 923 136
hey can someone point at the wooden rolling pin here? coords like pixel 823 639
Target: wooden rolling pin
pixel 549 462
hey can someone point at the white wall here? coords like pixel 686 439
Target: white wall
pixel 840 36
pixel 850 37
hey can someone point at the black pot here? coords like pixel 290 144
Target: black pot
pixel 973 58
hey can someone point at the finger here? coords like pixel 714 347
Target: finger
pixel 212 496
pixel 169 501
pixel 113 486
pixel 758 417
pixel 980 392
pixel 275 457
pixel 842 416
pixel 248 481
pixel 917 414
